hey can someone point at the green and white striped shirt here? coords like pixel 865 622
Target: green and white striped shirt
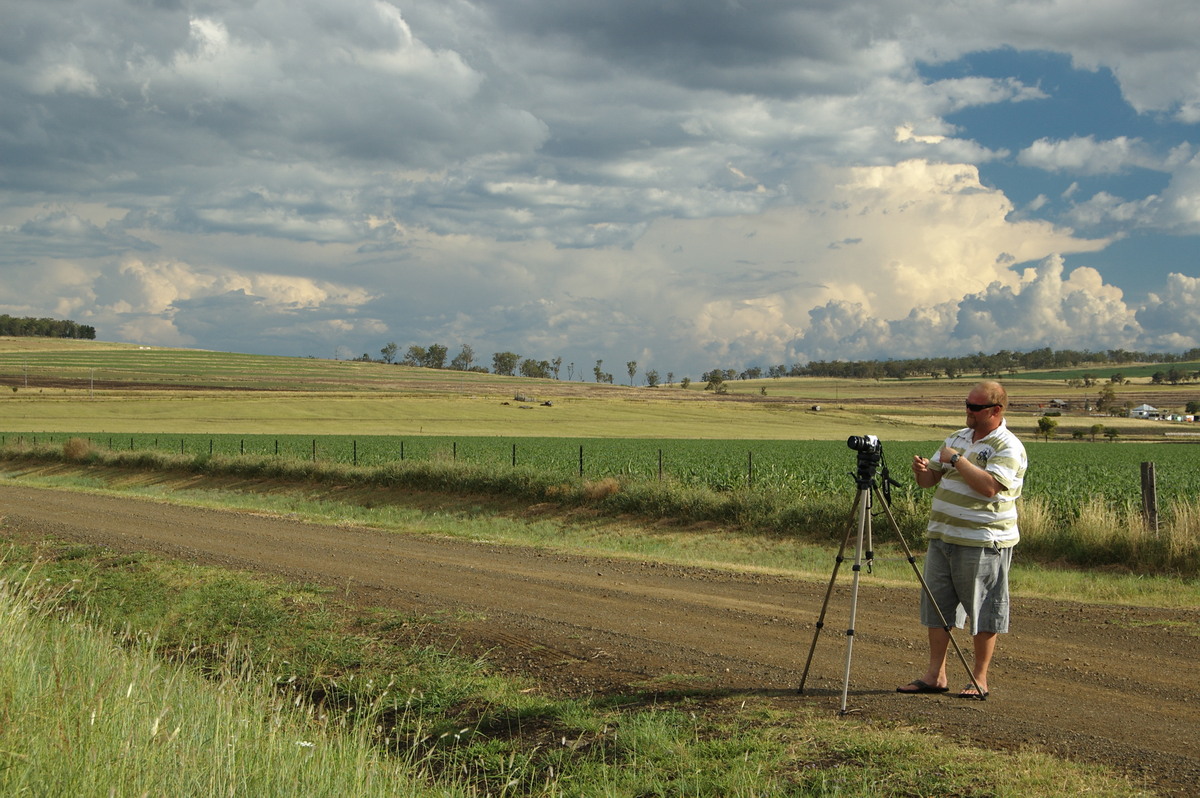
pixel 962 515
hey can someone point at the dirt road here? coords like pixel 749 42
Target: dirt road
pixel 1100 684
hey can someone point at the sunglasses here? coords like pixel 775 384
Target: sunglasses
pixel 974 408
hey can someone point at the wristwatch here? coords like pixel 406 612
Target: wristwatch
pixel 954 459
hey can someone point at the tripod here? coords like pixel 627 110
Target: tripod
pixel 870 458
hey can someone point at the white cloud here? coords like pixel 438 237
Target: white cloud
pixel 1172 319
pixel 1180 209
pixel 1085 155
pixel 1042 309
pixel 1104 208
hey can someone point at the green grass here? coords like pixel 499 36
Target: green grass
pixel 280 689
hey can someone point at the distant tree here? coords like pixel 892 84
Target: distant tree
pixel 535 368
pixel 463 360
pixel 435 357
pixel 631 367
pixel 1193 406
pixel 556 366
pixel 685 382
pixel 670 378
pixel 505 363
pixel 1096 429
pixel 1111 433
pixel 598 371
pixel 43 327
pixel 389 352
pixel 1046 426
pixel 1107 399
pixel 652 378
pixel 415 356
pixel 714 381
pixel 571 371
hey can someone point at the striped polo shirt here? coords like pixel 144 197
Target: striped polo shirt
pixel 964 516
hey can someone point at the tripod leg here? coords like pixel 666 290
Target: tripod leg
pixel 864 531
pixel 912 560
pixel 850 525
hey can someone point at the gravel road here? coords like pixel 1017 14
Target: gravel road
pixel 1112 685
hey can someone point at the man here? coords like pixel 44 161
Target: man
pixel 972 528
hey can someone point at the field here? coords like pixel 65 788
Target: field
pixel 783 435
pixel 657 626
pixel 51 386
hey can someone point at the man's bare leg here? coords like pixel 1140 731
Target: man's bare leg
pixel 935 673
pixel 985 647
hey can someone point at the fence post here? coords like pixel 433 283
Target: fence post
pixel 314 453
pixel 1150 497
pixel 750 471
pixel 660 465
pixel 581 462
pixel 356 451
pixel 514 455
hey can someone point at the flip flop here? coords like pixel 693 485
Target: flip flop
pixel 922 687
pixel 971 692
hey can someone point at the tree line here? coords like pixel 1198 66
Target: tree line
pixel 44 328
pixel 993 365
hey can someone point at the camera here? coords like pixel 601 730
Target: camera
pixel 864 443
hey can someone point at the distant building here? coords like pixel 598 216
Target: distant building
pixel 1144 411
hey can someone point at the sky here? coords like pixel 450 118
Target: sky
pixel 688 185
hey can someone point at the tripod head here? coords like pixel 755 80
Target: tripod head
pixel 870 461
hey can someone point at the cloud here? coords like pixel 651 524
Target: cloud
pixel 1043 309
pixel 185 304
pixel 1084 155
pixel 683 184
pixel 1180 207
pixel 1171 319
pixel 62 233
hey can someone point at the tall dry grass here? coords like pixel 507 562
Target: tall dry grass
pixel 1099 533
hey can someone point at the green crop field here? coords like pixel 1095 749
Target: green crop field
pixel 1062 474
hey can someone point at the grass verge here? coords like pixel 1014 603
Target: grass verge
pixel 129 675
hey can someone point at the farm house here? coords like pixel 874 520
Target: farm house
pixel 1144 411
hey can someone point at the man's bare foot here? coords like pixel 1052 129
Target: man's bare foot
pixel 970 691
pixel 919 686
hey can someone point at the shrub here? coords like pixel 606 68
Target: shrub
pixel 76 450
pixel 600 489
